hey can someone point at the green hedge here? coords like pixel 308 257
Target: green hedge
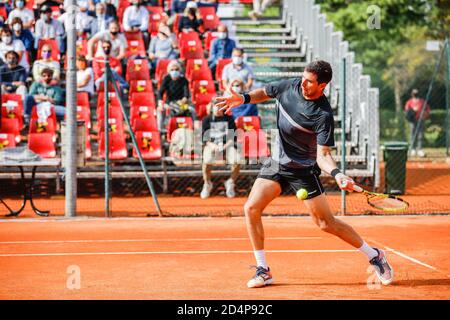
pixel 393 127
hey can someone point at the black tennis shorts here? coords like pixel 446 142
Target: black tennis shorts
pixel 296 179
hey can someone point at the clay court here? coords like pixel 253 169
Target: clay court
pixel 209 258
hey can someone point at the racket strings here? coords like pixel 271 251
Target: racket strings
pixel 387 203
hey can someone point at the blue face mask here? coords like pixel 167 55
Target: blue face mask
pixel 20 4
pixel 174 74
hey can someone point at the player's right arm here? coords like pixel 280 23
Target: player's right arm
pixel 233 99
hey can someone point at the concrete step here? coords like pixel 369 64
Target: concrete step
pixel 267 38
pixel 290 54
pixel 270 46
pixel 263 30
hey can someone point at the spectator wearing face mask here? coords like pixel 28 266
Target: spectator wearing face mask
pixel 99 66
pixel 85 76
pixel 26 15
pixel 8 44
pixel 175 88
pixel 46 62
pixel 244 110
pixel 49 28
pixel 45 91
pixel 221 48
pixel 219 144
pixel 191 19
pixel 136 18
pixel 13 76
pixel 101 21
pixel 82 20
pixel 238 69
pixel 113 35
pixel 163 46
pixel 24 35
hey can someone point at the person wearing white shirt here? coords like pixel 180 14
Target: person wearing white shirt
pixel 82 19
pixel 117 39
pixel 8 44
pixel 85 76
pixel 25 14
pixel 49 28
pixel 136 18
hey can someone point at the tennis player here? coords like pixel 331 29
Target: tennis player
pixel 305 137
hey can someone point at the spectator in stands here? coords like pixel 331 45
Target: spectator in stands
pixel 99 66
pixel 101 21
pixel 136 18
pixel 191 19
pixel 414 109
pixel 221 48
pixel 49 3
pixel 111 9
pixel 46 62
pixel 178 7
pixel 259 6
pixel 49 28
pixel 175 88
pixel 163 46
pixel 8 44
pixel 244 110
pixel 83 19
pixel 219 139
pixel 24 35
pixel 113 35
pixel 238 69
pixel 44 91
pixel 13 76
pixel 26 15
pixel 85 76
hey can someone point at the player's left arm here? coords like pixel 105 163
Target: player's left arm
pixel 326 162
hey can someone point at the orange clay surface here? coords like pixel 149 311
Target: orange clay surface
pixel 209 258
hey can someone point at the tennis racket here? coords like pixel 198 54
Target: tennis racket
pixel 381 201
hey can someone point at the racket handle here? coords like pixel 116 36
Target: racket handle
pixel 355 187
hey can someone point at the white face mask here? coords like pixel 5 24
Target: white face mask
pixel 237 60
pixel 17 27
pixel 7 39
pixel 237 89
pixel 222 35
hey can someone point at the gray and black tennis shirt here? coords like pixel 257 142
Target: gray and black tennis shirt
pixel 301 123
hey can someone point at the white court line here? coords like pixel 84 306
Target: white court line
pixel 149 240
pixel 161 253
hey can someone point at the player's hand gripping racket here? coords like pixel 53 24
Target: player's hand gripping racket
pixel 381 201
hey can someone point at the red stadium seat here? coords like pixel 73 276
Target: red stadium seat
pixel 51 118
pixel 117 146
pixel 56 54
pixel 88 149
pixel 83 99
pixel 185 37
pixel 135 48
pixel 176 123
pixel 142 99
pixel 13 110
pixel 192 50
pixel 7 140
pixel 248 123
pixel 84 114
pixel 11 126
pixel 176 22
pixel 148 124
pixel 42 144
pixel 137 86
pixel 98 66
pixel 133 36
pixel 149 144
pixel 138 69
pixel 202 87
pixel 221 63
pixel 200 73
pixel 209 37
pixel 115 120
pixel 157 15
pixel 210 19
pixel 161 70
pixel 251 138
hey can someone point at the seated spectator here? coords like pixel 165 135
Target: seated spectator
pixel 238 69
pixel 44 91
pixel 101 21
pixel 49 3
pixel 116 39
pixel 85 76
pixel 99 66
pixel 46 62
pixel 244 110
pixel 178 7
pixel 8 44
pixel 83 19
pixel 221 48
pixel 136 18
pixel 219 145
pixel 111 9
pixel 191 19
pixel 49 28
pixel 26 15
pixel 24 35
pixel 13 76
pixel 175 88
pixel 163 46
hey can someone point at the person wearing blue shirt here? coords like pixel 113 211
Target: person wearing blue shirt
pixel 12 75
pixel 22 34
pixel 245 110
pixel 221 48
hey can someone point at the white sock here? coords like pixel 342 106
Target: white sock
pixel 260 256
pixel 368 251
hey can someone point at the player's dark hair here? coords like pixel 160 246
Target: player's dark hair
pixel 321 69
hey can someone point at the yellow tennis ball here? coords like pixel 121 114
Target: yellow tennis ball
pixel 302 194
